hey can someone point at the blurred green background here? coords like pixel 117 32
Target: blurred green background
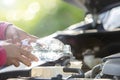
pixel 40 17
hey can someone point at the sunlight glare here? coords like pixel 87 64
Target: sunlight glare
pixel 8 2
pixel 12 16
pixel 28 16
pixel 34 7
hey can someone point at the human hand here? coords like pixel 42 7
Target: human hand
pixel 15 55
pixel 16 35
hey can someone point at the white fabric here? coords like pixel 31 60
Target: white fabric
pixel 111 18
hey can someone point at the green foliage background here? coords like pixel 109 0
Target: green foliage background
pixel 54 15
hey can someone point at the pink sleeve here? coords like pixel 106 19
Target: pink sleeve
pixel 3 27
pixel 2 56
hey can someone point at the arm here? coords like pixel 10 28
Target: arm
pixel 11 53
pixel 17 35
pixel 3 56
pixel 3 28
pixel 10 31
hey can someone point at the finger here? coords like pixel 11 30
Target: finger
pixel 24 60
pixel 32 38
pixel 29 55
pixel 15 63
pixel 27 48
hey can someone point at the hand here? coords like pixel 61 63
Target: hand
pixel 17 34
pixel 16 55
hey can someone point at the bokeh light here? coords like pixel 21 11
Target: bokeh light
pixel 8 3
